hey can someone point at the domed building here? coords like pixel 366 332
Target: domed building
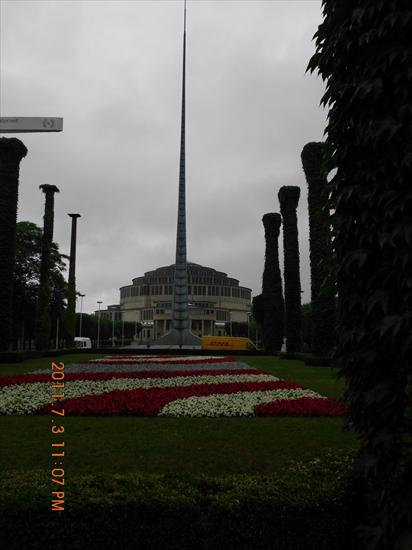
pixel 214 300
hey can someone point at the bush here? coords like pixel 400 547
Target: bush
pixel 318 361
pixel 11 357
pixel 303 506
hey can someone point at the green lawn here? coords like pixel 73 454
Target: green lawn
pixel 214 446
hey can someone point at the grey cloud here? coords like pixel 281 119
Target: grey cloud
pixel 113 71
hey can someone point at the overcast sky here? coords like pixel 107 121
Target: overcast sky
pixel 112 70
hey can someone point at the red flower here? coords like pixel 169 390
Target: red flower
pixel 149 402
pixel 303 406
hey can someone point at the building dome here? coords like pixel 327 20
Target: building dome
pixel 214 300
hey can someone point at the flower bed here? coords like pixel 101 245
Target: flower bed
pixel 164 386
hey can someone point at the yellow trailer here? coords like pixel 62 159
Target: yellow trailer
pixel 226 343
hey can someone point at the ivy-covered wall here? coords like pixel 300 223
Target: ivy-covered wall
pixel 273 306
pixel 364 54
pixel 12 150
pixel 288 198
pixel 322 288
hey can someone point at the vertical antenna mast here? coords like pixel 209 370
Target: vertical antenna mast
pixel 180 334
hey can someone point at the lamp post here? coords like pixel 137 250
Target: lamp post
pixel 248 325
pixel 231 331
pixel 81 313
pixel 98 325
pixel 122 328
pixel 113 329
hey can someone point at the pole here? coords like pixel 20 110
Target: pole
pixel 113 329
pixel 71 289
pixel 81 313
pixel 98 327
pixel 231 331
pixel 122 330
pixel 57 334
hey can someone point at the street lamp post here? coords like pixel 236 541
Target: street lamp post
pixel 231 330
pixel 122 329
pixel 98 326
pixel 81 313
pixel 113 329
pixel 248 325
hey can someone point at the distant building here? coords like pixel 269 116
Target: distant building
pixel 214 300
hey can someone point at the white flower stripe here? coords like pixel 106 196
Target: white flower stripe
pixel 145 367
pixel 233 404
pixel 26 398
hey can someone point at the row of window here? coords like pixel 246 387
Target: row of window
pixel 108 315
pixel 221 314
pixel 193 290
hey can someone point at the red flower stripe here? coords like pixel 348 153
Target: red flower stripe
pixel 183 361
pixel 140 357
pixel 149 402
pixel 303 406
pixel 31 378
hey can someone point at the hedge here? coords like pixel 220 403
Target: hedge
pixel 309 510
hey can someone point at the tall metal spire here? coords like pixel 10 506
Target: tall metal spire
pixel 180 334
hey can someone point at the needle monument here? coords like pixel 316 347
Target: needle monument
pixel 180 335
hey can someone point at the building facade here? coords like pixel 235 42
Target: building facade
pixel 214 300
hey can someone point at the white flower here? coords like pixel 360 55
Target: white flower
pixel 26 398
pixel 230 404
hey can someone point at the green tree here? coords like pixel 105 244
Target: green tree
pixel 322 288
pixel 27 280
pixel 43 322
pixel 364 53
pixel 273 306
pixel 288 199
pixel 307 327
pixel 258 316
pixel 257 309
pixel 12 150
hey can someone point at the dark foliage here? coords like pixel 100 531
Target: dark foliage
pixel 322 288
pixel 288 199
pixel 179 512
pixel 364 52
pixel 27 281
pixel 43 319
pixel 273 306
pixel 257 309
pixel 306 326
pixel 12 151
pixel 237 329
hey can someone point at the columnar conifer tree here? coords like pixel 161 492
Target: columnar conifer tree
pixel 288 199
pixel 272 286
pixel 322 289
pixel 43 322
pixel 12 150
pixel 71 291
pixel 364 53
